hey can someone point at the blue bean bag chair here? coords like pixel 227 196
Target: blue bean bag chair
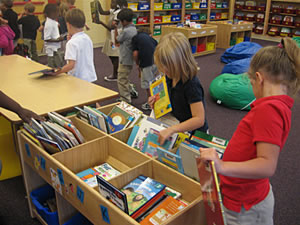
pixel 242 50
pixel 232 91
pixel 237 67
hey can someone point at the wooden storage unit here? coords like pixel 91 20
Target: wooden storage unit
pixel 229 34
pixel 197 37
pixel 39 8
pixel 73 194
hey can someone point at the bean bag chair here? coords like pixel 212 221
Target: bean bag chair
pixel 232 91
pixel 242 50
pixel 237 67
pixel 297 39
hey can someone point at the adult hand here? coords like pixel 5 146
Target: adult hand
pixel 26 115
pixel 210 154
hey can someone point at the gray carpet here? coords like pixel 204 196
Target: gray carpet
pixel 222 122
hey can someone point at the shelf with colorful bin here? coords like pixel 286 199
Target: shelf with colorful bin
pixel 230 34
pixel 284 19
pixel 142 13
pixel 219 10
pixel 202 40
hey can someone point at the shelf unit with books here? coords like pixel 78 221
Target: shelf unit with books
pixel 220 10
pixel 73 194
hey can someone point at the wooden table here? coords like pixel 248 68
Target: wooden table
pixel 41 94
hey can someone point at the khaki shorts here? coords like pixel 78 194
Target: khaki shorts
pixel 148 74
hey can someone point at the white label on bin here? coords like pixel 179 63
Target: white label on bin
pixel 233 28
pixel 203 32
pixel 249 27
pixel 242 27
pixel 212 31
pixel 194 33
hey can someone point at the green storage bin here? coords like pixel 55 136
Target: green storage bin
pixel 188 5
pixel 219 5
pixel 156 32
pixel 134 20
pixel 203 16
pixel 167 6
pixel 232 42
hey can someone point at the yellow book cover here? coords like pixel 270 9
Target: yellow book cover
pixel 159 89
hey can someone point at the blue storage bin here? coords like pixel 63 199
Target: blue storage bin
pixel 176 5
pixel 144 6
pixel 224 5
pixel 78 219
pixel 213 16
pixel 194 49
pixel 246 38
pixel 40 196
pixel 195 16
pixel 203 5
pixel 175 18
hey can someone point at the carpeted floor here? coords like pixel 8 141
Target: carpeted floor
pixel 222 122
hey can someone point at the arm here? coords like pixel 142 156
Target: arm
pixel 263 166
pixel 197 120
pixel 66 68
pixel 101 11
pixel 8 103
pixel 106 26
pixel 136 57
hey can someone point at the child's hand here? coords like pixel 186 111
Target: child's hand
pixel 87 27
pixel 151 101
pixel 210 154
pixel 164 135
pixel 41 28
pixel 26 115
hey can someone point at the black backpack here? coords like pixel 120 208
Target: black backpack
pixel 22 50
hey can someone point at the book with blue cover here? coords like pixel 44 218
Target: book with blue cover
pixel 170 159
pixel 140 191
pixel 118 119
pixel 133 133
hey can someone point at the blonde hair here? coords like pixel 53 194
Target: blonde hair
pixel 174 55
pixel 280 63
pixel 63 9
pixel 29 7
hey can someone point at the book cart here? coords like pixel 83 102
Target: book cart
pixel 230 34
pixel 203 41
pixel 73 195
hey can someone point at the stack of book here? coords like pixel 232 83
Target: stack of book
pixel 144 199
pixel 122 116
pixel 105 170
pixel 54 135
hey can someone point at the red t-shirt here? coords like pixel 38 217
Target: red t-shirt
pixel 268 121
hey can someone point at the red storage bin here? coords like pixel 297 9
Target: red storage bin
pixel 187 17
pixel 157 19
pixel 248 18
pixel 250 7
pixel 258 31
pixel 238 6
pixel 218 16
pixel 213 5
pixel 287 23
pixel 289 11
pixel 298 11
pixel 259 20
pixel 261 8
pixel 276 10
pixel 201 48
pixel 142 20
pixel 297 23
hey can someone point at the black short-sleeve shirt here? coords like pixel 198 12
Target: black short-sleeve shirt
pixel 184 94
pixel 12 18
pixel 145 45
pixel 30 24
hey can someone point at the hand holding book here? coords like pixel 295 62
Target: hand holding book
pixel 210 154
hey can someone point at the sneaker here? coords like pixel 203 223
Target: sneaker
pixel 110 78
pixel 133 92
pixel 146 106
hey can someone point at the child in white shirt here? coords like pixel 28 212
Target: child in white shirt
pixel 79 49
pixel 51 36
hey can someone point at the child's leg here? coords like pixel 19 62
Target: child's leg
pixel 259 214
pixel 123 82
pixel 51 62
pixel 33 52
pixel 115 62
pixel 147 75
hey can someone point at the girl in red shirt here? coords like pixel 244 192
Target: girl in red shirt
pixel 252 154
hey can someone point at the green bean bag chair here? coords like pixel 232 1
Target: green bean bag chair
pixel 297 39
pixel 233 91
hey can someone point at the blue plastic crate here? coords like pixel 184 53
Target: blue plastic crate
pixel 144 6
pixel 203 5
pixel 176 5
pixel 195 16
pixel 246 38
pixel 78 219
pixel 175 18
pixel 40 196
pixel 224 5
pixel 213 16
pixel 194 49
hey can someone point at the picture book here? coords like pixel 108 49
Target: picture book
pixel 181 138
pixel 133 111
pixel 211 138
pixel 164 211
pixel 105 117
pixel 87 117
pixel 150 150
pixel 153 137
pixel 118 119
pixel 106 171
pixel 171 192
pixel 31 137
pixel 146 124
pixel 170 159
pixel 188 154
pixel 44 71
pixel 95 11
pixel 50 146
pixel 112 194
pixel 54 136
pixel 159 89
pixel 100 119
pixel 140 191
pixel 214 208
pixel 132 135
pixel 89 176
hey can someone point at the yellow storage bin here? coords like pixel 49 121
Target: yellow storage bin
pixel 239 40
pixel 210 46
pixel 224 15
pixel 196 5
pixel 166 19
pixel 133 6
pixel 158 6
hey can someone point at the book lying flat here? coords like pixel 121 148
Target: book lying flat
pixel 211 194
pixel 159 89
pixel 44 71
pixel 89 176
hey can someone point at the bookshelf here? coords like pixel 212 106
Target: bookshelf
pixel 98 149
pixel 274 14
